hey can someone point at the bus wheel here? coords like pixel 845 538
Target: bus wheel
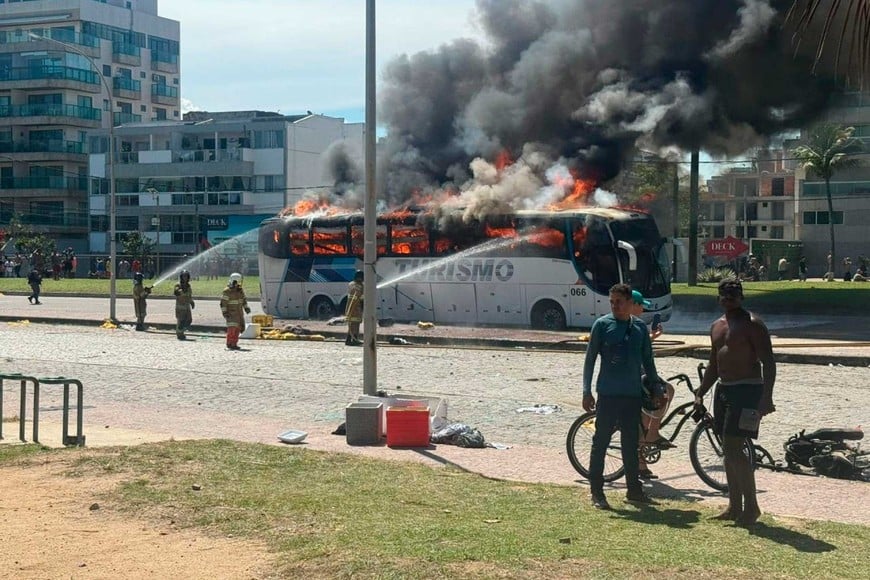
pixel 321 308
pixel 548 315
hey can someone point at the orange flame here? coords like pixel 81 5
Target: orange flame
pixel 492 232
pixel 547 237
pixel 503 160
pixel 579 195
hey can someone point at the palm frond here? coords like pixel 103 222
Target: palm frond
pixel 817 20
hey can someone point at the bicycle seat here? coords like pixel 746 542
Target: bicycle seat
pixel 833 434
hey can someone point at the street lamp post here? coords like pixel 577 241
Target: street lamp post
pixel 113 250
pixel 156 221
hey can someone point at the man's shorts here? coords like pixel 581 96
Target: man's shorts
pixel 735 410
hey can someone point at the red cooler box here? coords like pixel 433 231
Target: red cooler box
pixel 408 426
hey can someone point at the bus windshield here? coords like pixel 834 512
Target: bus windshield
pixel 651 277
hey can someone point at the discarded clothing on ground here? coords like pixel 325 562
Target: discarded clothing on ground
pixel 459 434
pixel 540 409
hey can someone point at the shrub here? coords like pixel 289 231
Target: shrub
pixel 715 274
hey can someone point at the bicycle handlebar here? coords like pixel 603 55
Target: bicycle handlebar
pixel 683 378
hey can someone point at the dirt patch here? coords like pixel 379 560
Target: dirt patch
pixel 56 526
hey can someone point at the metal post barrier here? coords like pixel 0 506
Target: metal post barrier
pixel 79 439
pixel 22 415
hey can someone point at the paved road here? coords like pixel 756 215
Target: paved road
pixel 151 383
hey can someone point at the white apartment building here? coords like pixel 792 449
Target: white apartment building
pixel 850 190
pixel 212 173
pixel 70 69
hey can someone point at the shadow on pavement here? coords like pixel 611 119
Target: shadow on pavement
pixel 797 540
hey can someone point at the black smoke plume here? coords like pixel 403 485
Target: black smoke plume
pixel 581 84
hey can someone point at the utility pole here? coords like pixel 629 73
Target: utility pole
pixel 370 251
pixel 693 218
pixel 676 217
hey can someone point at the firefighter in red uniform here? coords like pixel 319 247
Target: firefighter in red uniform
pixel 233 304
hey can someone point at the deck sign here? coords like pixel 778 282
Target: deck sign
pixel 729 247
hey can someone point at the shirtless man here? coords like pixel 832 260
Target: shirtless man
pixel 742 360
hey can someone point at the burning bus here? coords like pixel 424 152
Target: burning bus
pixel 539 268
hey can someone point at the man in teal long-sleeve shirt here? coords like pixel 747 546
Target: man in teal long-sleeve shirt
pixel 625 349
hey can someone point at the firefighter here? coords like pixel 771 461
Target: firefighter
pixel 184 304
pixel 140 294
pixel 233 302
pixel 354 310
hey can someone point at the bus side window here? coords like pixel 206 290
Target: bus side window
pixel 357 236
pixel 298 238
pixel 409 240
pixel 273 240
pixel 541 239
pixel 329 240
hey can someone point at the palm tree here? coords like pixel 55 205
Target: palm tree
pixel 844 22
pixel 828 148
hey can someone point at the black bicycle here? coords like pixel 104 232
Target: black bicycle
pixel 705 447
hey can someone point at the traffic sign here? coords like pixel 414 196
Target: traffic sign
pixel 729 247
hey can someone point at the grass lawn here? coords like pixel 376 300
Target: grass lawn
pixel 811 297
pixel 337 515
pixel 202 288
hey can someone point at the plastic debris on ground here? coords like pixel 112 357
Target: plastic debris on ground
pixel 292 436
pixel 108 324
pixel 459 434
pixel 337 321
pixel 398 340
pixel 24 322
pixel 541 409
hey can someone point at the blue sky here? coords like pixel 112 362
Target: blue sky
pixel 297 55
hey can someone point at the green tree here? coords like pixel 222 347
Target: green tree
pixel 827 150
pixel 137 246
pixel 26 240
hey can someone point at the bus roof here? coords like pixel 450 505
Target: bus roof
pixel 410 215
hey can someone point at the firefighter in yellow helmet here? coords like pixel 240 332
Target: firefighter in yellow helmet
pixel 234 306
pixel 354 310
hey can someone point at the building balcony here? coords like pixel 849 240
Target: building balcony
pixel 50 76
pixel 164 94
pixel 53 146
pixel 126 88
pixel 51 114
pixel 46 182
pixel 124 118
pixel 124 53
pixel 10 41
pixel 164 61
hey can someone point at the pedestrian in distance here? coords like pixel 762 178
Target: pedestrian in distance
pixel 802 269
pixel 34 280
pixel 140 296
pixel 184 305
pixel 622 343
pixel 741 359
pixel 354 310
pixel 782 268
pixel 234 306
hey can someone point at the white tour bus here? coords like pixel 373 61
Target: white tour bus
pixel 544 269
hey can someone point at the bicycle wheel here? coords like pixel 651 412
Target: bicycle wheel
pixel 579 446
pixel 708 456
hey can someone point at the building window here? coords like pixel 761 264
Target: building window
pixel 719 232
pixel 143 108
pixel 809 218
pixel 159 114
pixel 777 211
pixel 822 218
pixel 777 186
pixel 777 232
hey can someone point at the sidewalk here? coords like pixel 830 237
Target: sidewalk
pixel 797 339
pixel 146 386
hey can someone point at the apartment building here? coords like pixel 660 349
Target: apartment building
pixel 69 70
pixel 850 188
pixel 212 175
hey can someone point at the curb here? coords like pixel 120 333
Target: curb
pixel 697 352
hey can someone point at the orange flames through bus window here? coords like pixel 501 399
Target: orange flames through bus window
pixel 329 243
pixel 492 232
pixel 547 237
pixel 579 240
